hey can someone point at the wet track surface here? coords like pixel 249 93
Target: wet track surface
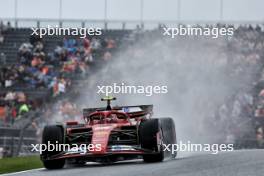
pixel 236 163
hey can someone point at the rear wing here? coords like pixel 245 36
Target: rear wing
pixel 132 111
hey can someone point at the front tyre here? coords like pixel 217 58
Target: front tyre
pixel 54 135
pixel 151 138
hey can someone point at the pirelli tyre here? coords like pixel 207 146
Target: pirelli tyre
pixel 53 135
pixel 169 135
pixel 154 134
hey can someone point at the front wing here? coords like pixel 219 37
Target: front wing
pixel 111 150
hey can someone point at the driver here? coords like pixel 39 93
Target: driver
pixel 112 118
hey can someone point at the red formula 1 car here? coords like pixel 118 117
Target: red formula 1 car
pixel 110 135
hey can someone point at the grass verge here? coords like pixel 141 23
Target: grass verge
pixel 8 165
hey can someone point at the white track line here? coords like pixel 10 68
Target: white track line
pixel 20 172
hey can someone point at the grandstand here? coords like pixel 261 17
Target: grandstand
pixel 34 95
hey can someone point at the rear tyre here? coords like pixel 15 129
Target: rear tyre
pixel 54 135
pixel 151 138
pixel 169 134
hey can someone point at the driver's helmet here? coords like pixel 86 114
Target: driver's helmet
pixel 112 118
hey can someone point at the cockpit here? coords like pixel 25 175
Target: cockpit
pixel 104 117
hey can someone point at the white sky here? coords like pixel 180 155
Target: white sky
pixel 130 9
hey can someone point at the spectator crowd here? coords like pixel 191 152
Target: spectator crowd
pixel 37 69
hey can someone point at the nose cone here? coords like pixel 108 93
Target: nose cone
pixel 101 133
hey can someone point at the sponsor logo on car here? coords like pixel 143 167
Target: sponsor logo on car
pixel 121 147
